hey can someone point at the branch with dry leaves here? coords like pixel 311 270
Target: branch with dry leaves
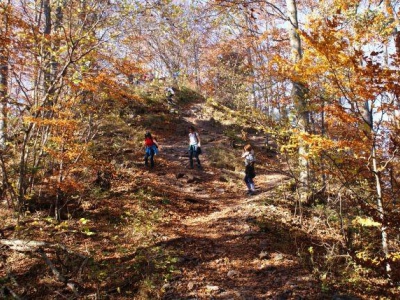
pixel 39 247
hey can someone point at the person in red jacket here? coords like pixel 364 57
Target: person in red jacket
pixel 151 148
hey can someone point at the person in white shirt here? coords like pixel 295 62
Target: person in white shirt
pixel 170 94
pixel 194 147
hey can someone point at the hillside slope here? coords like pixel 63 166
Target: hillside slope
pixel 225 244
pixel 171 232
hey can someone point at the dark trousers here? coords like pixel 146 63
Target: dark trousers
pixel 193 152
pixel 249 182
pixel 248 179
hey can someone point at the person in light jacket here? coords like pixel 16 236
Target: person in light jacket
pixel 194 147
pixel 249 160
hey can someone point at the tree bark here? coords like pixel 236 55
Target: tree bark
pixel 379 203
pixel 250 27
pixel 367 117
pixel 4 72
pixel 299 99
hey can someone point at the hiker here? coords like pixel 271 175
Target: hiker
pixel 170 94
pixel 151 147
pixel 194 147
pixel 249 160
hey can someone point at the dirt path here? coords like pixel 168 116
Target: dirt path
pixel 226 250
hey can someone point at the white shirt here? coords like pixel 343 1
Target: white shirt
pixel 193 138
pixel 248 158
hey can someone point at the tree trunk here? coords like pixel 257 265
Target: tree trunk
pixel 4 78
pixel 51 47
pixel 379 203
pixel 391 13
pixel 367 116
pixel 250 27
pixel 299 99
pixel 196 52
pixel 52 68
pixel 4 30
pixel 47 77
pixel 22 186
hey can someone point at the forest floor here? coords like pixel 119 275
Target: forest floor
pixel 226 252
pixel 177 233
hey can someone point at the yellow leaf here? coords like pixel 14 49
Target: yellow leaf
pixel 366 222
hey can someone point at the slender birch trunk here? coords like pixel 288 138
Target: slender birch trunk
pixel 379 204
pixel 299 99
